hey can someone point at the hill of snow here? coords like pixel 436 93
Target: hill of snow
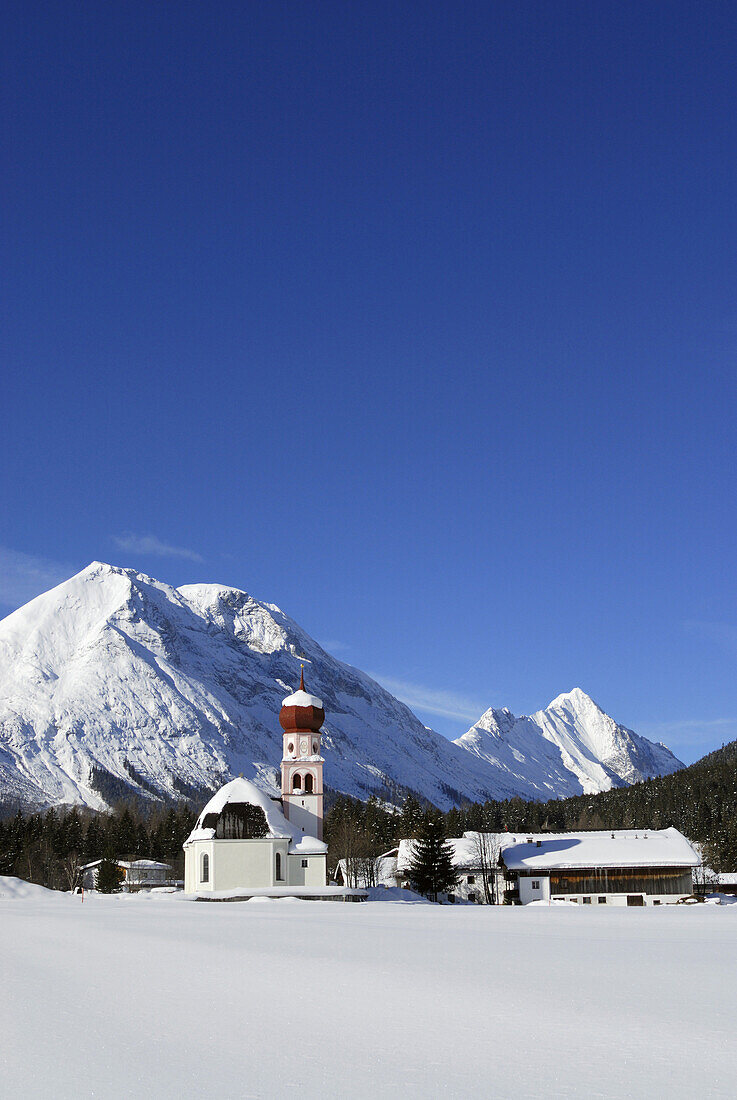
pixel 115 683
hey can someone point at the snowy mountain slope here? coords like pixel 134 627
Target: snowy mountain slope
pixel 570 747
pixel 114 682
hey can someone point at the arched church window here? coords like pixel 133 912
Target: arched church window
pixel 205 874
pixel 308 784
pixel 297 783
pixel 314 748
pixel 279 876
pixel 290 747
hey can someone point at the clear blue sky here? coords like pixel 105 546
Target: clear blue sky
pixel 418 320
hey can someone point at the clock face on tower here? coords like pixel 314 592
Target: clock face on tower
pixel 303 746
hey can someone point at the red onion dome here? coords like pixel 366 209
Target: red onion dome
pixel 301 712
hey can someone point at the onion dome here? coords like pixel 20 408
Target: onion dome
pixel 301 712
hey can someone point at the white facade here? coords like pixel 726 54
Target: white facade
pixel 216 864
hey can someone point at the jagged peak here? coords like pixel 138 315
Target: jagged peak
pixel 577 696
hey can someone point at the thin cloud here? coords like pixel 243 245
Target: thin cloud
pixel 149 544
pixel 24 576
pixel 688 726
pixel 332 645
pixel 449 704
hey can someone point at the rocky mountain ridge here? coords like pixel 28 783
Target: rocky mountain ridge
pixel 114 683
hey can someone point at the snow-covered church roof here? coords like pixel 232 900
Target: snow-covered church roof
pixel 244 791
pixel 300 698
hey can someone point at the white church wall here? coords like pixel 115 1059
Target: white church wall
pixel 307 870
pixel 302 814
pixel 235 864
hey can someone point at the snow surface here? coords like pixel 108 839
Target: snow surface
pixel 622 848
pixel 242 790
pixel 126 996
pixel 172 691
pixel 301 698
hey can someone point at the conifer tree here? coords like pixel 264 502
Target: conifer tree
pixel 431 869
pixel 109 876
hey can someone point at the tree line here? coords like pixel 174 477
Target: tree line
pixel 700 801
pixel 50 848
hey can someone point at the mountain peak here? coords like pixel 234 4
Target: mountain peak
pixel 577 696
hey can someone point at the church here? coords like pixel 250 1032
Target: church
pixel 246 840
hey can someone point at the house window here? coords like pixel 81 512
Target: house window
pixel 471 880
pixel 657 901
pixel 205 870
pixel 586 901
pixel 602 901
pixel 297 783
pixel 279 876
pixel 536 884
pixel 472 896
pixel 304 862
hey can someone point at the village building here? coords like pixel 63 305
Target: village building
pixel 476 860
pixel 246 840
pixel 623 867
pixel 136 874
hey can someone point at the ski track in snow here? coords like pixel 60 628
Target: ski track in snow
pixel 161 996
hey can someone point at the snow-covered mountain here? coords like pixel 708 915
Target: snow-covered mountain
pixel 570 747
pixel 114 682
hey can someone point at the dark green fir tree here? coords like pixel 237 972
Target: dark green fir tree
pixel 109 876
pixel 431 869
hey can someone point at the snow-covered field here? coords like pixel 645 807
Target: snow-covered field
pixel 164 997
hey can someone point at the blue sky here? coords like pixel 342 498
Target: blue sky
pixel 416 320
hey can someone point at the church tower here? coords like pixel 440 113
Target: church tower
pixel 301 718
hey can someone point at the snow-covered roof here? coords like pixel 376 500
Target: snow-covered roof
pixel 539 851
pixel 136 864
pixel 301 698
pixel 621 848
pixel 465 850
pixel 242 790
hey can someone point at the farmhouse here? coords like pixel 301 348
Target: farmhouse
pixel 137 874
pixel 624 867
pixel 246 840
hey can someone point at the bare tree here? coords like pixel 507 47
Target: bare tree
pixel 486 849
pixel 72 870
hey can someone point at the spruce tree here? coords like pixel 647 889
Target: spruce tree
pixel 109 876
pixel 431 869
